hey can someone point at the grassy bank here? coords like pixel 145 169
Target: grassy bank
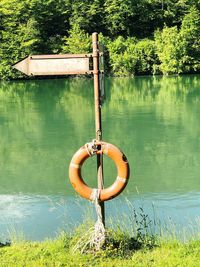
pixel 121 251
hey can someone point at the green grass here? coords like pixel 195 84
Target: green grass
pixel 120 250
pixel 137 247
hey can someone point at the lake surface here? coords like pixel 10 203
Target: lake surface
pixel 154 120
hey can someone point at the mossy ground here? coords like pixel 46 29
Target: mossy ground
pixel 59 253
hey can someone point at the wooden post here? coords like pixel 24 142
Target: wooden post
pixel 98 126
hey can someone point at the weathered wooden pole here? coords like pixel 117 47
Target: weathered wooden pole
pixel 98 126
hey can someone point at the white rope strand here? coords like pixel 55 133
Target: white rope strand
pixel 94 238
pixel 98 237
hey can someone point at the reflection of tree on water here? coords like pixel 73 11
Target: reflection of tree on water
pixel 153 89
pixel 155 120
pixel 159 121
pixel 37 134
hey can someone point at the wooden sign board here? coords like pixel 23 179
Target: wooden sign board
pixel 54 64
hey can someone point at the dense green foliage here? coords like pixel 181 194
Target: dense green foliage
pixel 140 36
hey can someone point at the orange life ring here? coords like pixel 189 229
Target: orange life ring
pixel 101 148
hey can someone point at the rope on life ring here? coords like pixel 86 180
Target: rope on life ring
pixel 88 150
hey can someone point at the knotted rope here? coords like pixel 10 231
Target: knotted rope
pixel 91 148
pixel 99 235
pixel 94 238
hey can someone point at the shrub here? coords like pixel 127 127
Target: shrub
pixel 169 48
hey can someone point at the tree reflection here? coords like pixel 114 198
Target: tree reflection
pixel 155 120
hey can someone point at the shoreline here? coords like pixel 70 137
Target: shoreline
pixel 32 78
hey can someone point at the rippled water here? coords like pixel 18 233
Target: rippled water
pixel 154 120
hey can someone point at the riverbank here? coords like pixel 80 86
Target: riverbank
pixel 60 252
pixel 120 249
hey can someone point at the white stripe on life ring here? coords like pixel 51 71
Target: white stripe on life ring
pixel 74 165
pixel 120 179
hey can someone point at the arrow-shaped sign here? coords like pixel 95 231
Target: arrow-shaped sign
pixel 54 64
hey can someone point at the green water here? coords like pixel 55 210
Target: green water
pixel 154 120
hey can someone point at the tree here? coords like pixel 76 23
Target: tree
pixel 77 42
pixel 118 16
pixel 169 48
pixel 19 34
pixel 145 56
pixel 52 18
pixel 130 56
pixel 190 33
pixel 127 27
pixel 88 15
